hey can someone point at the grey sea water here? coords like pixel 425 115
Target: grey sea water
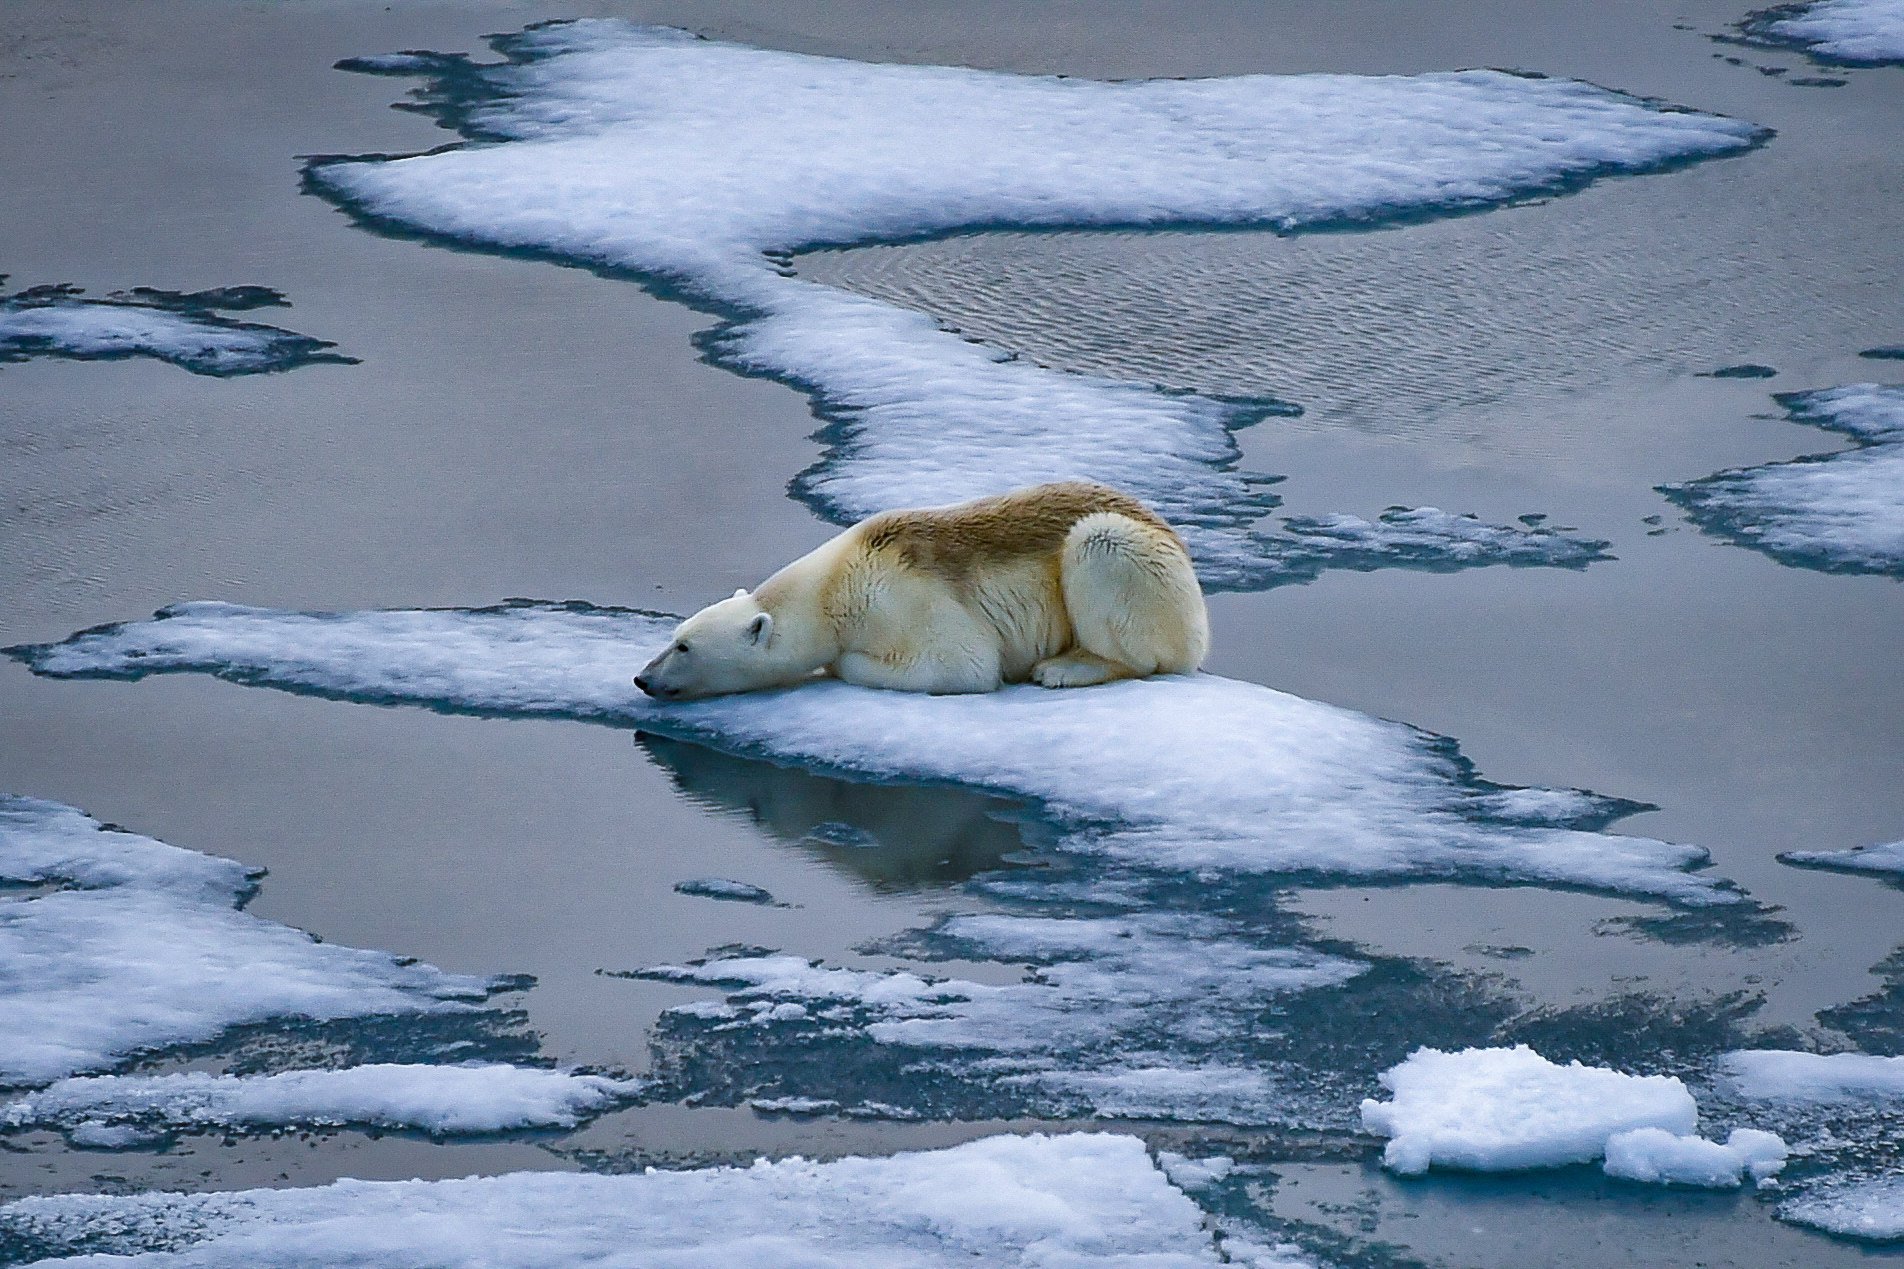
pixel 515 428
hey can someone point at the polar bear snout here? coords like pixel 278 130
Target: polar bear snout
pixel 655 689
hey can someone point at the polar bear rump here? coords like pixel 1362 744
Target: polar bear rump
pixel 1065 585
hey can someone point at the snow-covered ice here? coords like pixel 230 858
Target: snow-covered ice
pixel 1660 1157
pixel 1885 860
pixel 1790 1076
pixel 123 944
pixel 1839 512
pixel 437 1099
pixel 1180 773
pixel 1845 32
pixel 1495 1110
pixel 1051 1202
pixel 703 165
pixel 185 330
pixel 1871 1210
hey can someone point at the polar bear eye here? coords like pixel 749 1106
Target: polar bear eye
pixel 681 648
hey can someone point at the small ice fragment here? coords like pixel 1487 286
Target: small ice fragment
pixel 1494 1110
pixel 722 888
pixel 1666 1158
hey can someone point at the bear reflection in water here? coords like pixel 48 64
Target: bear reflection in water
pixel 892 836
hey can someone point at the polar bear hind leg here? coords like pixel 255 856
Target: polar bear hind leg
pixel 1134 604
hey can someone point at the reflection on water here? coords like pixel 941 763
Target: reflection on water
pixel 893 837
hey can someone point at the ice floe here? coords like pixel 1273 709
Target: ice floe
pixel 1659 1157
pixel 1885 860
pixel 1495 1110
pixel 113 944
pixel 437 1099
pixel 1790 1076
pixel 1094 1199
pixel 722 888
pixel 701 166
pixel 1870 1210
pixel 1840 512
pixel 1182 773
pixel 183 329
pixel 1843 32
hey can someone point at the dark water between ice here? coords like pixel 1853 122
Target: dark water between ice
pixel 518 429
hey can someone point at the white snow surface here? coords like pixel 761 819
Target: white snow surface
pixel 1848 30
pixel 1183 773
pixel 1789 1076
pixel 692 160
pixel 1666 1158
pixel 146 948
pixel 443 1100
pixel 1501 1110
pixel 1837 511
pixel 1871 1210
pixel 1049 1202
pixel 1887 859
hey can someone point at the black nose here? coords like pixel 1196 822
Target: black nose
pixel 642 683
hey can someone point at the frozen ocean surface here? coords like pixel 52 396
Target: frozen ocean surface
pixel 702 165
pixel 1182 773
pixel 1841 512
pixel 1047 1201
pixel 1838 32
pixel 186 330
pixel 120 945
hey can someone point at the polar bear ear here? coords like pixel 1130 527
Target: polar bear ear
pixel 760 627
pixel 739 592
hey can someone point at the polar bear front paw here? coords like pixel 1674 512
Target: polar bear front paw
pixel 1076 669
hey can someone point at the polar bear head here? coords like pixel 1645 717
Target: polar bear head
pixel 725 647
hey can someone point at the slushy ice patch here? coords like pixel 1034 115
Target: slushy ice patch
pixel 701 166
pixel 185 329
pixel 1006 1201
pixel 1184 774
pixel 1838 513
pixel 436 1099
pixel 114 945
pixel 1836 32
pixel 1151 1015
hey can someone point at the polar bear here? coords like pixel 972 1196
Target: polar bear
pixel 1065 585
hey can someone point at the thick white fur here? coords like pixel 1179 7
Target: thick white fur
pixel 1064 585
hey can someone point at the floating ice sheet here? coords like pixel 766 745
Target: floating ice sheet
pixel 441 1100
pixel 1181 773
pixel 1870 1210
pixel 1840 32
pixel 1886 860
pixel 145 947
pixel 1085 1199
pixel 183 329
pixel 1789 1076
pixel 702 165
pixel 1839 513
pixel 1496 1110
